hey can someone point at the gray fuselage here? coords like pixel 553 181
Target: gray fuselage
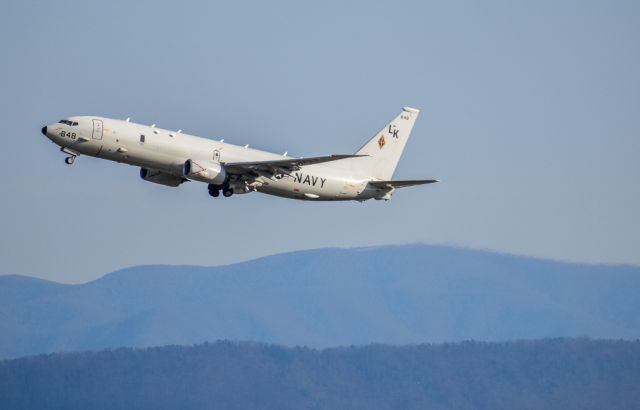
pixel 166 151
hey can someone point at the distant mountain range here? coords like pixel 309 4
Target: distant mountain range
pixel 326 297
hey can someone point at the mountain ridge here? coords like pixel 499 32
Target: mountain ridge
pixel 326 297
pixel 305 251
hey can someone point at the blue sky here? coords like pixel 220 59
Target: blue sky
pixel 530 116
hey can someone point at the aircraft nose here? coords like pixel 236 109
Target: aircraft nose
pixel 44 130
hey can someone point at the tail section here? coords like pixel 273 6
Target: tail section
pixel 385 149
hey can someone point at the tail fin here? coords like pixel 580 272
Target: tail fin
pixel 384 150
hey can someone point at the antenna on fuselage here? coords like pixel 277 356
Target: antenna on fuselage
pixel 222 140
pixel 179 131
pixel 246 146
pixel 127 120
pixel 285 153
pixel 153 125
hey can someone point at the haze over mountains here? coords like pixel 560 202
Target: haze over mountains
pixel 326 297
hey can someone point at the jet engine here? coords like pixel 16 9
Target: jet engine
pixel 160 177
pixel 204 171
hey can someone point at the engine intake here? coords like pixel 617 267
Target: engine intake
pixel 204 171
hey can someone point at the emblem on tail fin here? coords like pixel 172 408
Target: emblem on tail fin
pixel 381 141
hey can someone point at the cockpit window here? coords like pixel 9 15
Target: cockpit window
pixel 67 122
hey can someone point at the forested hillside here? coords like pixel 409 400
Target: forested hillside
pixel 546 374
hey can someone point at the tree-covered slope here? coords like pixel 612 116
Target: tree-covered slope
pixel 548 374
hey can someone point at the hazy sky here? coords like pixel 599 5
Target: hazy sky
pixel 530 117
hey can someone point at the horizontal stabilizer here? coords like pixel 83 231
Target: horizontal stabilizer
pixel 401 183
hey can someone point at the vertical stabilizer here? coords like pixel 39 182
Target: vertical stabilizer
pixel 385 148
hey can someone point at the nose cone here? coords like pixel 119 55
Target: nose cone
pixel 44 130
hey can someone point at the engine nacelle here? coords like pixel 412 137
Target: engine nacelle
pixel 204 171
pixel 160 177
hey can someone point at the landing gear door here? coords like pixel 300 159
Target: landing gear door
pixel 97 130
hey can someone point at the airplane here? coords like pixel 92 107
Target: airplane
pixel 173 157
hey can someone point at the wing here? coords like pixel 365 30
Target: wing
pixel 281 166
pixel 401 183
